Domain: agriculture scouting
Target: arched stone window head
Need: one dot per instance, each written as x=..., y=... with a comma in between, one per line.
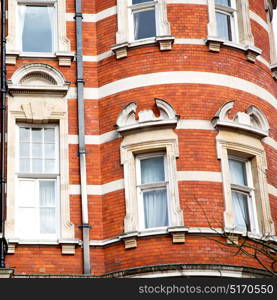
x=252, y=120
x=127, y=120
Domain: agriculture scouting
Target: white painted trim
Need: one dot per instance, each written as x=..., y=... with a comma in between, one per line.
x=271, y=142
x=195, y=2
x=92, y=18
x=272, y=190
x=116, y=185
x=195, y=124
x=259, y=20
x=191, y=273
x=184, y=41
x=177, y=77
x=97, y=58
x=98, y=190
x=199, y=176
x=182, y=125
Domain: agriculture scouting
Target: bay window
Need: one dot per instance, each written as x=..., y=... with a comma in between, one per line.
x=37, y=181
x=152, y=189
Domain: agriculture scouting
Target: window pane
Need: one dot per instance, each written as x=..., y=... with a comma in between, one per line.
x=144, y=24
x=152, y=170
x=223, y=2
x=36, y=135
x=24, y=134
x=141, y=1
x=223, y=22
x=47, y=220
x=49, y=150
x=27, y=222
x=49, y=135
x=50, y=166
x=47, y=193
x=24, y=150
x=37, y=32
x=155, y=208
x=26, y=193
x=238, y=172
x=36, y=165
x=24, y=165
x=241, y=212
x=37, y=150
x=47, y=203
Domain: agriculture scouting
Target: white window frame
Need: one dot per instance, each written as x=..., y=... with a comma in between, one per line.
x=153, y=186
x=232, y=12
x=140, y=8
x=39, y=3
x=37, y=177
x=248, y=190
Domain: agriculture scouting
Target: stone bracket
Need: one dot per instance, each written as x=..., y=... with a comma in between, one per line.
x=178, y=234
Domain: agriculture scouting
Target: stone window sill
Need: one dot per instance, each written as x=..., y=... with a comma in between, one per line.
x=64, y=58
x=251, y=52
x=165, y=43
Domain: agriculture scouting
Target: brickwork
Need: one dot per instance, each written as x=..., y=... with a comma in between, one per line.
x=202, y=202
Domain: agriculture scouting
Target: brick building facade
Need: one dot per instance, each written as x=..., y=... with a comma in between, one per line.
x=141, y=138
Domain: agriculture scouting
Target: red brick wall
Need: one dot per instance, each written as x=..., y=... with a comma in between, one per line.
x=201, y=202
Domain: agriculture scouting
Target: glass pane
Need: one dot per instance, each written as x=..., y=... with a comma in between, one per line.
x=26, y=193
x=155, y=208
x=238, y=172
x=152, y=170
x=36, y=135
x=24, y=134
x=50, y=166
x=47, y=220
x=223, y=22
x=223, y=2
x=24, y=150
x=49, y=135
x=37, y=150
x=37, y=29
x=24, y=165
x=37, y=165
x=144, y=24
x=27, y=222
x=49, y=150
x=47, y=193
x=241, y=212
x=141, y=1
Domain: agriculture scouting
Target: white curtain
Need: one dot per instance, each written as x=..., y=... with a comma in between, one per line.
x=136, y=25
x=47, y=206
x=152, y=170
x=155, y=208
x=238, y=172
x=223, y=2
x=241, y=213
x=22, y=15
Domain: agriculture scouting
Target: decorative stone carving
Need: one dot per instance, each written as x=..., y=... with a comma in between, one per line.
x=38, y=78
x=127, y=121
x=252, y=120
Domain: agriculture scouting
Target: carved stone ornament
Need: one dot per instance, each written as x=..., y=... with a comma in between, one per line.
x=252, y=120
x=38, y=78
x=127, y=121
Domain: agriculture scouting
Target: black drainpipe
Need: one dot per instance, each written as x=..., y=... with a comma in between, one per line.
x=81, y=132
x=3, y=243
